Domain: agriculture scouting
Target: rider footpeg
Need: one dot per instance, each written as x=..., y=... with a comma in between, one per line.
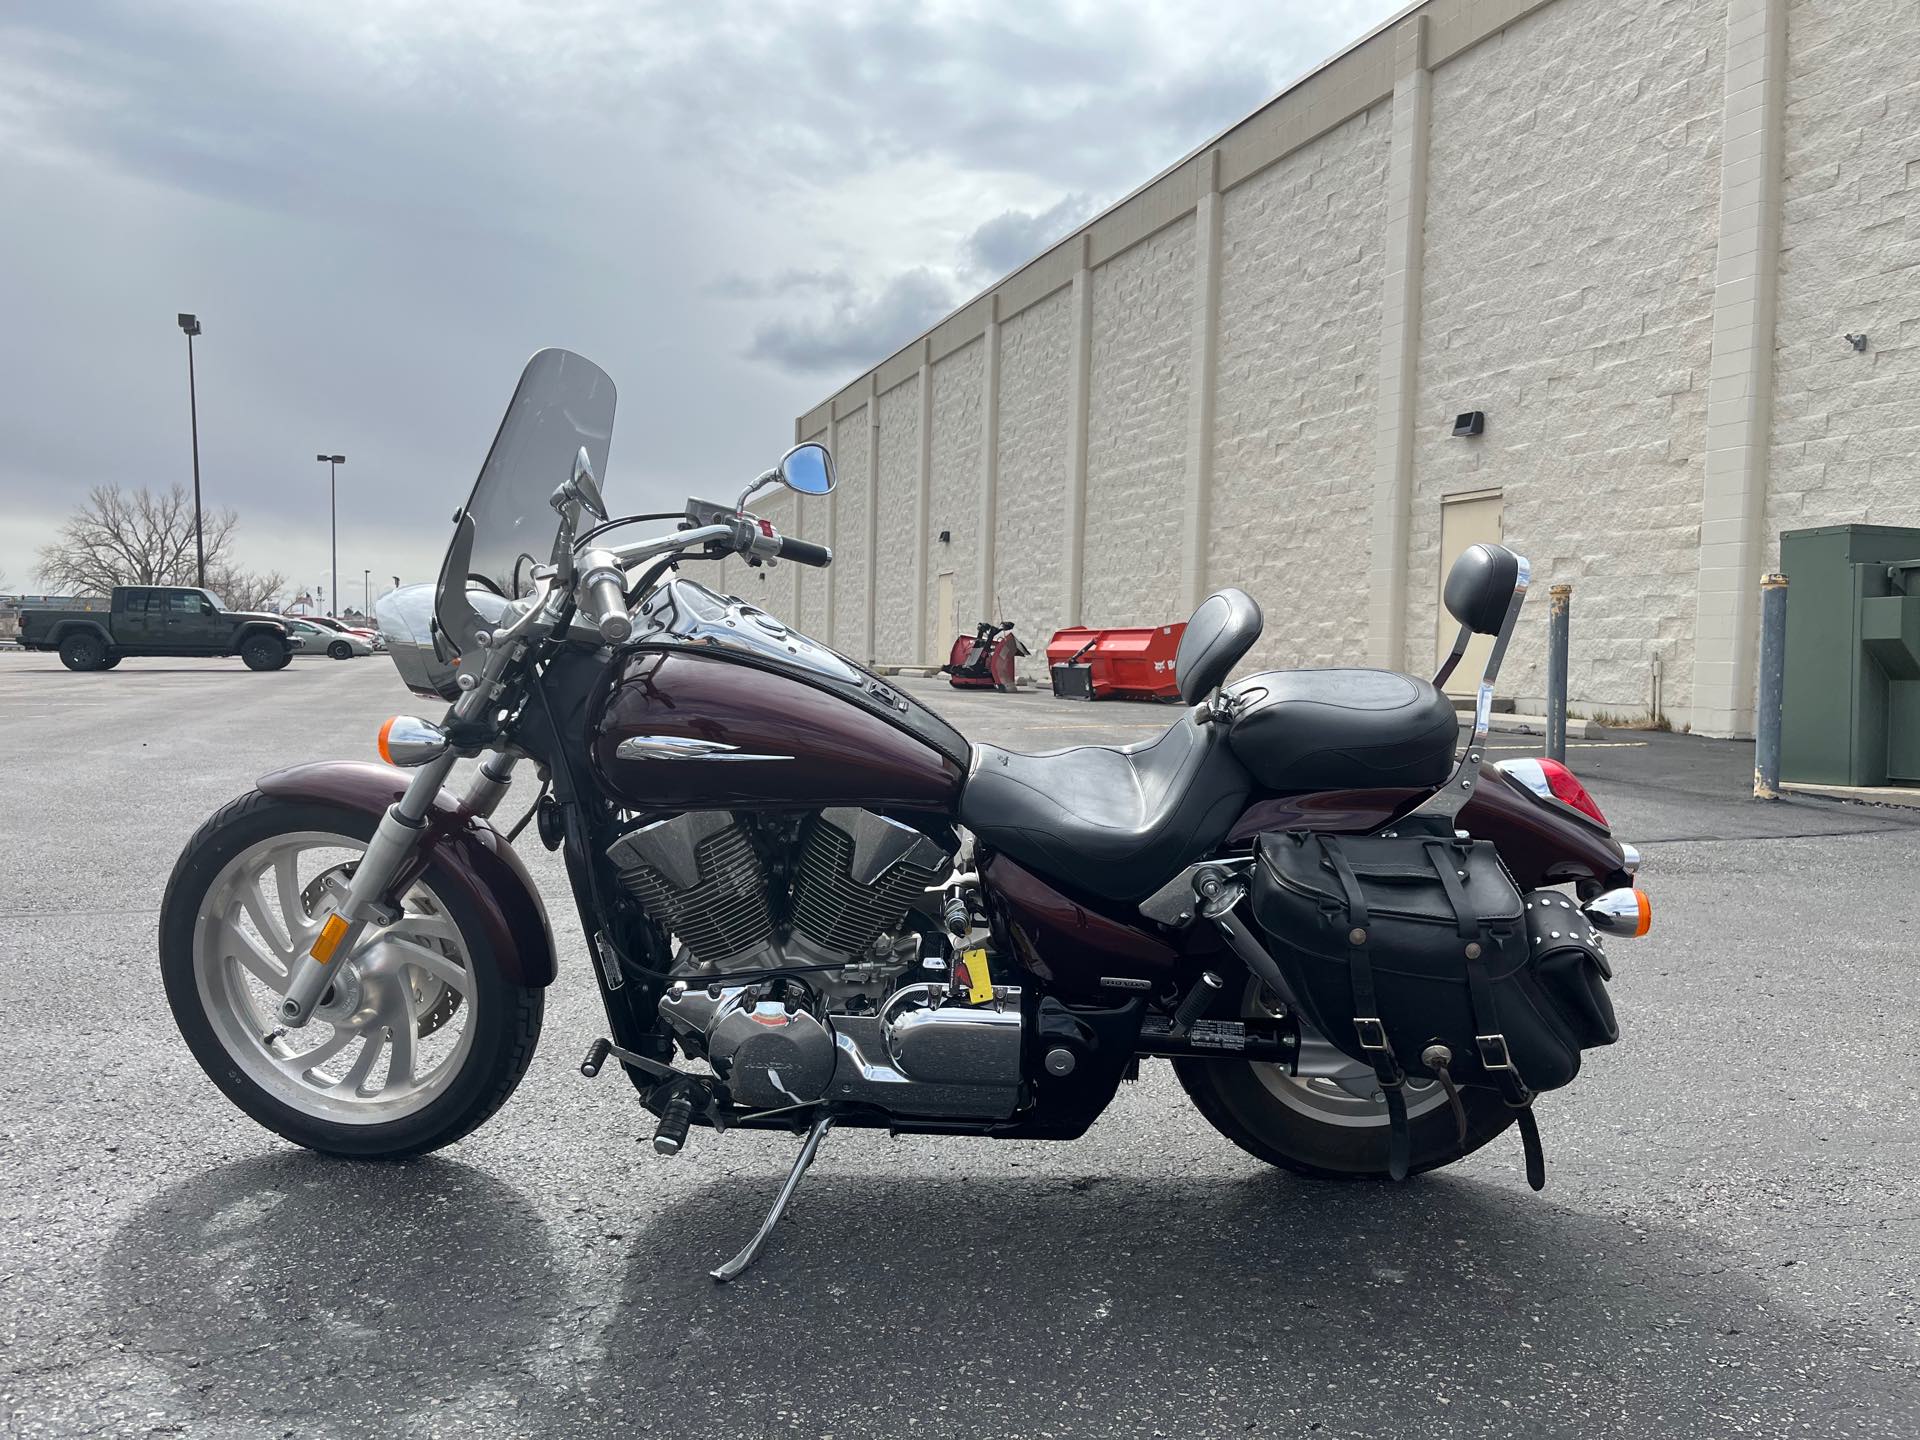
x=675, y=1119
x=596, y=1057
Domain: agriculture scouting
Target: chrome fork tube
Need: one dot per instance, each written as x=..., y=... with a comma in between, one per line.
x=489, y=785
x=394, y=840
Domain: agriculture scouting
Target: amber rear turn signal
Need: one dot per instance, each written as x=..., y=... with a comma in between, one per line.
x=1626, y=913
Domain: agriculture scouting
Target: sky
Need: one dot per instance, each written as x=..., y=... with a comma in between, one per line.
x=380, y=208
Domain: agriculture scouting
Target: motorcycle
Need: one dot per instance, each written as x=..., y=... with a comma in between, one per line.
x=811, y=903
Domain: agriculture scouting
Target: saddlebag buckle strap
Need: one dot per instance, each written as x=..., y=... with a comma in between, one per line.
x=1372, y=1034
x=1497, y=1062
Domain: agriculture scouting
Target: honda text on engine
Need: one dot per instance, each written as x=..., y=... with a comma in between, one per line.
x=810, y=901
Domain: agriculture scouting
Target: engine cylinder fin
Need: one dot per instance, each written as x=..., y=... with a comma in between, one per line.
x=699, y=877
x=857, y=874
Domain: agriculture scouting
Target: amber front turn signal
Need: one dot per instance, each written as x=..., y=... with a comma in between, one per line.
x=407, y=740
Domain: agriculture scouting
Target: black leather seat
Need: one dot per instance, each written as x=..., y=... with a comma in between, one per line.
x=1109, y=821
x=1342, y=729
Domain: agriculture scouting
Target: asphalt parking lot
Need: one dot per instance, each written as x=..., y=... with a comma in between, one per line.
x=1727, y=1246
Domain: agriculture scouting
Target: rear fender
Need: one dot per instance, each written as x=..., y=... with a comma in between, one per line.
x=78, y=627
x=472, y=855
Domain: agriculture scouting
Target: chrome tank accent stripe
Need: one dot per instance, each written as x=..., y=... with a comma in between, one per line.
x=683, y=747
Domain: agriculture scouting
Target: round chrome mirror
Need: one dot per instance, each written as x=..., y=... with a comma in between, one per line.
x=807, y=469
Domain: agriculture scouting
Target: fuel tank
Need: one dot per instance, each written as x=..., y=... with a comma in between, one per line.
x=683, y=728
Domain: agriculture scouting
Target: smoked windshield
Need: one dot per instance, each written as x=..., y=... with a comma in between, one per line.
x=563, y=402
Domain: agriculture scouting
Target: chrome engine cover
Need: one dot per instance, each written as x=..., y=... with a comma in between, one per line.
x=925, y=1052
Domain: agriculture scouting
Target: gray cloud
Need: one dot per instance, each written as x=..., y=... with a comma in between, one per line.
x=856, y=329
x=380, y=210
x=1014, y=237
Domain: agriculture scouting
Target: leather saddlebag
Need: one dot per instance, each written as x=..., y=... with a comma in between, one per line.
x=1417, y=954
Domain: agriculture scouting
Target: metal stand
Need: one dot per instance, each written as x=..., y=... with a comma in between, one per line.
x=808, y=1147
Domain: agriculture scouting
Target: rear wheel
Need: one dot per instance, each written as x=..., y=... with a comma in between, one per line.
x=83, y=651
x=263, y=652
x=419, y=1036
x=340, y=650
x=111, y=661
x=1319, y=1127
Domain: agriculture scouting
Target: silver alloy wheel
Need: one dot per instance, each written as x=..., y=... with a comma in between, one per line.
x=1320, y=1098
x=383, y=1043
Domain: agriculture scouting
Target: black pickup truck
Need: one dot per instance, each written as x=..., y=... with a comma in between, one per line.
x=157, y=620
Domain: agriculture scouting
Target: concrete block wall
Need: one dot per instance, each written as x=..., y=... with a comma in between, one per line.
x=1137, y=431
x=853, y=493
x=1296, y=392
x=1846, y=423
x=953, y=503
x=1571, y=223
x=1034, y=374
x=897, y=460
x=1629, y=231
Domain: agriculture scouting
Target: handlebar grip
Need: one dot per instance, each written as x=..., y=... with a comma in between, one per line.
x=607, y=603
x=804, y=552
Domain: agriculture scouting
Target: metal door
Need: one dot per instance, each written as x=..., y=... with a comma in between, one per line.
x=1469, y=519
x=945, y=619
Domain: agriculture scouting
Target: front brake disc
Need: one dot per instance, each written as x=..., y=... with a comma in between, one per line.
x=434, y=1001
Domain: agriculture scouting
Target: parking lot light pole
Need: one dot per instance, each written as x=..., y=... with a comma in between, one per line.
x=366, y=600
x=333, y=464
x=190, y=324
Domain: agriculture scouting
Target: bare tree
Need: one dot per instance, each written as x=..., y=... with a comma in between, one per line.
x=246, y=590
x=145, y=537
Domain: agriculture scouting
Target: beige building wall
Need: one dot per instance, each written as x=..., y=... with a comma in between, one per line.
x=894, y=580
x=1296, y=392
x=1632, y=232
x=1137, y=431
x=1571, y=223
x=1035, y=364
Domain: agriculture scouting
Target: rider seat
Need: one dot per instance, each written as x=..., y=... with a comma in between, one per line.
x=1118, y=821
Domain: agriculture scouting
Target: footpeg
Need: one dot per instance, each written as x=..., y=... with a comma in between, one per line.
x=808, y=1147
x=596, y=1057
x=675, y=1118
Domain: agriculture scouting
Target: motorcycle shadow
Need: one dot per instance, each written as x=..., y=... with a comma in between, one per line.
x=1191, y=1306
x=291, y=1294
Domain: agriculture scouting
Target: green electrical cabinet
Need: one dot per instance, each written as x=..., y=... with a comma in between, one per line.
x=1851, y=712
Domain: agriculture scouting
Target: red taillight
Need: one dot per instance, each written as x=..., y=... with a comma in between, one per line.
x=1551, y=780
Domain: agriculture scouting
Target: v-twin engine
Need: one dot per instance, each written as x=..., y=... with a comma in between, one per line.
x=869, y=1018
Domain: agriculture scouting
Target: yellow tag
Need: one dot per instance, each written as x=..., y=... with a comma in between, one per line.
x=331, y=934
x=979, y=977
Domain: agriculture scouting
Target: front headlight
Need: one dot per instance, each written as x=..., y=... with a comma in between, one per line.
x=405, y=617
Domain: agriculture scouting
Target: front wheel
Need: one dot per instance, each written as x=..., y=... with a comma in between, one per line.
x=1321, y=1128
x=416, y=1041
x=263, y=652
x=340, y=650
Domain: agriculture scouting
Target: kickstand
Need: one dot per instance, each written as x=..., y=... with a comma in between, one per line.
x=808, y=1148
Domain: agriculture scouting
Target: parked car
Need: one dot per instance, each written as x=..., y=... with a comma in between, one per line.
x=157, y=620
x=328, y=622
x=311, y=638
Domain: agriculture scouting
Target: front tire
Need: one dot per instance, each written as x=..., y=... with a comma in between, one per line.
x=111, y=661
x=83, y=652
x=340, y=650
x=263, y=652
x=419, y=1038
x=1316, y=1127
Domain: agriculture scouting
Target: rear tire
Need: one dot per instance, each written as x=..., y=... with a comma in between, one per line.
x=263, y=652
x=340, y=650
x=264, y=1073
x=111, y=661
x=1315, y=1127
x=82, y=652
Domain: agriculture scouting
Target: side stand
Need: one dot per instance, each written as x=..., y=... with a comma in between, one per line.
x=808, y=1148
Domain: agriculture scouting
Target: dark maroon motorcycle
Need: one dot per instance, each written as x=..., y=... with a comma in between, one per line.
x=809, y=901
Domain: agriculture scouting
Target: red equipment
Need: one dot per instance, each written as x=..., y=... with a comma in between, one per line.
x=984, y=659
x=1130, y=662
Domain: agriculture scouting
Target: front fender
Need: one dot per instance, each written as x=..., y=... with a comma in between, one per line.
x=472, y=855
